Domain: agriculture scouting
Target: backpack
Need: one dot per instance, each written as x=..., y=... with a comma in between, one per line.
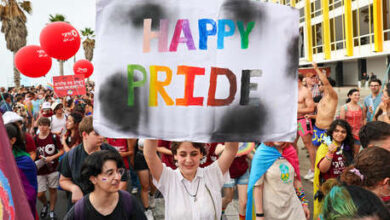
x=126, y=202
x=53, y=137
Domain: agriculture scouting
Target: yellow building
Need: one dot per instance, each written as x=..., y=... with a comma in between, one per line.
x=350, y=36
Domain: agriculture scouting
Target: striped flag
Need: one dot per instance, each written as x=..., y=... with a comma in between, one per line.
x=13, y=201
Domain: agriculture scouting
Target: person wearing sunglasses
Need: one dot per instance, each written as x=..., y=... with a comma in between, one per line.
x=101, y=175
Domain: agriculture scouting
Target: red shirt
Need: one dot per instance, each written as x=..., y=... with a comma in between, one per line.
x=238, y=167
x=211, y=156
x=166, y=158
x=30, y=144
x=336, y=168
x=48, y=147
x=121, y=146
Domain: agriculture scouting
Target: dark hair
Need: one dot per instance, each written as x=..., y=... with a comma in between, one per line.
x=176, y=145
x=300, y=77
x=350, y=92
x=380, y=111
x=44, y=121
x=58, y=106
x=348, y=142
x=372, y=163
x=80, y=108
x=93, y=166
x=6, y=96
x=76, y=138
x=352, y=202
x=14, y=131
x=375, y=80
x=373, y=131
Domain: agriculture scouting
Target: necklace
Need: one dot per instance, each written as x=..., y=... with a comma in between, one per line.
x=196, y=193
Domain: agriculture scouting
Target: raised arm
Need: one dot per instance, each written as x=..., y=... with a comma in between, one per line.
x=154, y=163
x=328, y=87
x=227, y=157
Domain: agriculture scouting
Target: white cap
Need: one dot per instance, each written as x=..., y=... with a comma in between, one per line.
x=45, y=105
x=11, y=117
x=54, y=105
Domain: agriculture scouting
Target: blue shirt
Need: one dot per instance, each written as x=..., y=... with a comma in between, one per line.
x=368, y=101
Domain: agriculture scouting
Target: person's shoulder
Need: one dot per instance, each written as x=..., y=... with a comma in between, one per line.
x=70, y=214
x=106, y=146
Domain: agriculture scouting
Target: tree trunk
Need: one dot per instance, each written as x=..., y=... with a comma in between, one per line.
x=61, y=62
x=16, y=74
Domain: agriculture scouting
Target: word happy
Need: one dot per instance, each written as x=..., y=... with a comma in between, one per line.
x=207, y=27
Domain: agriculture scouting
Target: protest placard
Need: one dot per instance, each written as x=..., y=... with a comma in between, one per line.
x=196, y=70
x=70, y=85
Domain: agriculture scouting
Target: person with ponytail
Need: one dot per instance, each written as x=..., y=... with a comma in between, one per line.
x=353, y=113
x=371, y=170
x=333, y=155
x=344, y=202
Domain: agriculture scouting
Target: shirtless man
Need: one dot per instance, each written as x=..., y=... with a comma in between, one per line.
x=326, y=108
x=305, y=107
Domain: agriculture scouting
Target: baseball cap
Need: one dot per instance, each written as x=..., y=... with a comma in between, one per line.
x=45, y=105
x=11, y=117
x=54, y=105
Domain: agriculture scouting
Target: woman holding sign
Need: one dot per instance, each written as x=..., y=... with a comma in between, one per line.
x=190, y=191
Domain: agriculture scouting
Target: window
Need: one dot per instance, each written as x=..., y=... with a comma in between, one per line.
x=337, y=33
x=366, y=25
x=386, y=19
x=317, y=38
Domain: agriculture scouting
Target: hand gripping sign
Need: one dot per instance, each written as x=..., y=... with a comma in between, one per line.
x=196, y=70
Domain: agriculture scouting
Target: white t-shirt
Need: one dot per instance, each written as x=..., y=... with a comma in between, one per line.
x=58, y=124
x=180, y=205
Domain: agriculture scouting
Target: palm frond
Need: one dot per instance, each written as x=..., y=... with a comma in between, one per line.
x=26, y=6
x=57, y=17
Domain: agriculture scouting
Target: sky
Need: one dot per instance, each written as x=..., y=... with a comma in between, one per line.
x=80, y=14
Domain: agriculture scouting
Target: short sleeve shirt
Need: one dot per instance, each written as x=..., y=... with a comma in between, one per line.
x=367, y=102
x=73, y=171
x=118, y=213
x=48, y=147
x=336, y=168
x=176, y=191
x=121, y=146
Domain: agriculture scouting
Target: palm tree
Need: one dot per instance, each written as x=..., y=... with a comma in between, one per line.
x=55, y=18
x=89, y=43
x=14, y=27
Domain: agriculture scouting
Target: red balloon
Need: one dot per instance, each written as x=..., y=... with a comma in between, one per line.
x=60, y=40
x=83, y=67
x=32, y=61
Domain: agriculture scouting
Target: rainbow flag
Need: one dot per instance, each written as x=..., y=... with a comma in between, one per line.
x=245, y=148
x=49, y=86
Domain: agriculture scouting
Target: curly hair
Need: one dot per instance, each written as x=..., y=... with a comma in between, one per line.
x=373, y=166
x=348, y=141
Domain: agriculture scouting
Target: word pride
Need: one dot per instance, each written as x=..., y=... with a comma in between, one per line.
x=207, y=27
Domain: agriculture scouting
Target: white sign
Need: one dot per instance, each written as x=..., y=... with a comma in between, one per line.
x=196, y=70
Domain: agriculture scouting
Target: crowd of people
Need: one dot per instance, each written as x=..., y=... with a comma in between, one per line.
x=57, y=148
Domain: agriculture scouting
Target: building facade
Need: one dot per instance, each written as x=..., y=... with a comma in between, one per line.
x=349, y=36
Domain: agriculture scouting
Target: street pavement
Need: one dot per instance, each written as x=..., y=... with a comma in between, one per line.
x=232, y=210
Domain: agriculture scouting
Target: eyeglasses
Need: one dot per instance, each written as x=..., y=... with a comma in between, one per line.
x=374, y=85
x=111, y=173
